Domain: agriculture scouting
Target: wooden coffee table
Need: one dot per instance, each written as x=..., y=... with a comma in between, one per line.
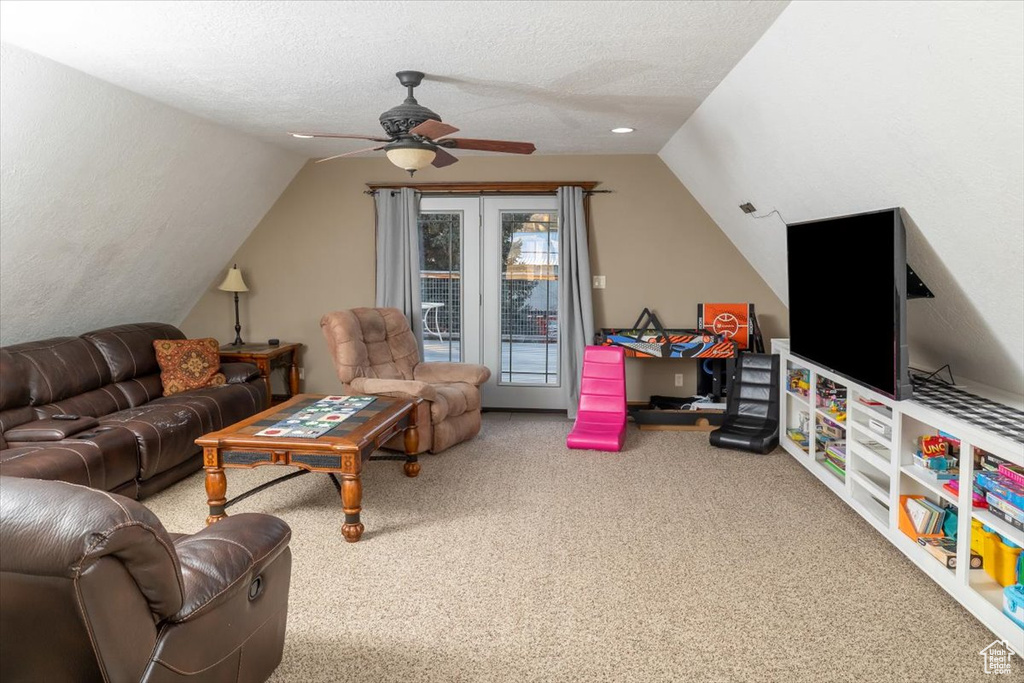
x=341, y=451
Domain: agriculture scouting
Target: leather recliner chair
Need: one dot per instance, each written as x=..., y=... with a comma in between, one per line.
x=92, y=588
x=375, y=352
x=752, y=407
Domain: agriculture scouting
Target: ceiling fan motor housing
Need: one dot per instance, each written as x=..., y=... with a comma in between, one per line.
x=406, y=116
x=399, y=120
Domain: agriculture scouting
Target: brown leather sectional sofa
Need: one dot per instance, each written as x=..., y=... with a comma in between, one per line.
x=129, y=438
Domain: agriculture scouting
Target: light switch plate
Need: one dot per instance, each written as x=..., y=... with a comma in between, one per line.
x=599, y=282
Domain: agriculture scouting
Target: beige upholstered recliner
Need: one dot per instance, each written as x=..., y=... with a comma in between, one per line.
x=375, y=352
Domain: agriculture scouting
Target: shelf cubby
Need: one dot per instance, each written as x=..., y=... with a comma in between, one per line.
x=798, y=412
x=1003, y=527
x=866, y=498
x=798, y=381
x=862, y=453
x=923, y=486
x=986, y=588
x=863, y=435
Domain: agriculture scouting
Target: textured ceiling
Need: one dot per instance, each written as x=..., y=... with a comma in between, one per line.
x=559, y=74
x=849, y=107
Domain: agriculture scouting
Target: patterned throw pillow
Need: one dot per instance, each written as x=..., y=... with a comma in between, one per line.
x=187, y=364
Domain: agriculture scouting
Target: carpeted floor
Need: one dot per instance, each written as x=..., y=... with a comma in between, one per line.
x=511, y=558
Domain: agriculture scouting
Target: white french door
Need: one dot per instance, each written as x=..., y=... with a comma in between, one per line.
x=489, y=285
x=449, y=278
x=520, y=302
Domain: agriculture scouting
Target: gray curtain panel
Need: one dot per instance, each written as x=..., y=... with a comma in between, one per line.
x=574, y=297
x=398, y=255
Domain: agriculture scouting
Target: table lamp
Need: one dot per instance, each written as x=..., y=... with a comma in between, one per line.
x=233, y=282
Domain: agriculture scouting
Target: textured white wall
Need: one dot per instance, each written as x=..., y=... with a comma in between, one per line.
x=851, y=106
x=114, y=208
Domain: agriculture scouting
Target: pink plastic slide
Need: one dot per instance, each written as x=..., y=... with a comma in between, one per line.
x=601, y=419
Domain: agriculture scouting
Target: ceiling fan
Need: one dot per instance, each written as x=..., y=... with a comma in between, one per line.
x=416, y=136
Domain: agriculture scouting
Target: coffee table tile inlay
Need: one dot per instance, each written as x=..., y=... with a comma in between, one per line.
x=340, y=452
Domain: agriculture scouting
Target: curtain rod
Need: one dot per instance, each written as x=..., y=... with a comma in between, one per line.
x=481, y=192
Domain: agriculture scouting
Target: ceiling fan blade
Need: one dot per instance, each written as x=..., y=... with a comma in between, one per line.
x=338, y=135
x=492, y=145
x=348, y=154
x=433, y=129
x=443, y=158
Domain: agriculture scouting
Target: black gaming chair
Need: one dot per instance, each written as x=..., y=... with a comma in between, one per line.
x=752, y=407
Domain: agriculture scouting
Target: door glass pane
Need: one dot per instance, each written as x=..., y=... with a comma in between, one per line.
x=529, y=298
x=441, y=285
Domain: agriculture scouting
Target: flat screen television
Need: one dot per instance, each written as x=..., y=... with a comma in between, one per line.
x=848, y=298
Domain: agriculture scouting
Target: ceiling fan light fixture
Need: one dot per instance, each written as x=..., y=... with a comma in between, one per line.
x=410, y=155
x=623, y=129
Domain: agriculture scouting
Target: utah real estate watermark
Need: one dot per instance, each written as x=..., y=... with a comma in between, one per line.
x=997, y=657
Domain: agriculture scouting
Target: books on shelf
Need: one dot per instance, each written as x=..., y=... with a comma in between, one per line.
x=925, y=515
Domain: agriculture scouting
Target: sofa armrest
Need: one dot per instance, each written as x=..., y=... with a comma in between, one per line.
x=239, y=373
x=372, y=385
x=224, y=558
x=441, y=372
x=49, y=430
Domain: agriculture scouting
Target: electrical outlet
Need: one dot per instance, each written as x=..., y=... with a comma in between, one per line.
x=679, y=379
x=599, y=282
x=747, y=208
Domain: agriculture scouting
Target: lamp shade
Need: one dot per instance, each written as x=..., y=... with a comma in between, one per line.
x=410, y=156
x=233, y=281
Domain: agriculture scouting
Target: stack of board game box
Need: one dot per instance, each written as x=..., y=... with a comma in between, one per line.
x=1003, y=485
x=835, y=457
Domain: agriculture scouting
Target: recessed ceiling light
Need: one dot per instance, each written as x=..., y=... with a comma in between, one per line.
x=623, y=129
x=300, y=135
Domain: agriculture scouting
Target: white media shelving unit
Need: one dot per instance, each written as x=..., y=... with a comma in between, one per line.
x=879, y=469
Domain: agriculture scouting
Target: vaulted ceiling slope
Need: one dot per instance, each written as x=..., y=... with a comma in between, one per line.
x=848, y=107
x=115, y=208
x=559, y=74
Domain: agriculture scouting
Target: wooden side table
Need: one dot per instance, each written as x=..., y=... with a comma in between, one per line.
x=266, y=358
